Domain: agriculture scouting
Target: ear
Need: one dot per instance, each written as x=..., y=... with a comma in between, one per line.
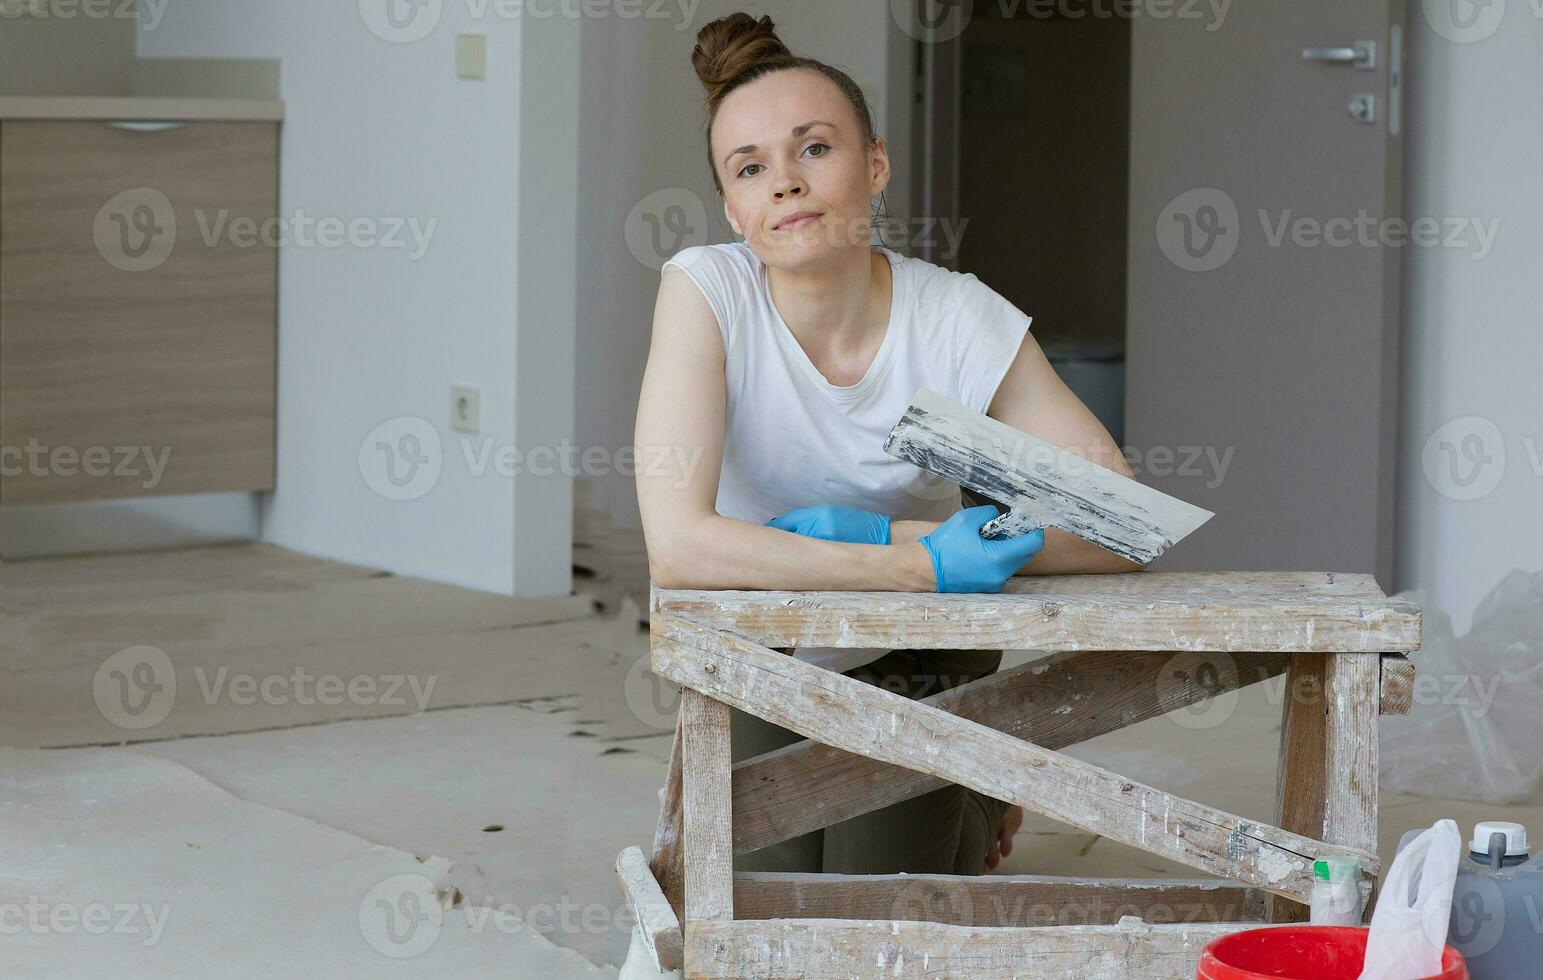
x=879, y=154
x=732, y=223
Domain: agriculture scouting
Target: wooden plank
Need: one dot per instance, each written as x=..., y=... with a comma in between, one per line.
x=669, y=835
x=1224, y=612
x=835, y=948
x=657, y=922
x=861, y=718
x=1352, y=748
x=1299, y=774
x=706, y=833
x=1396, y=696
x=809, y=785
x=1039, y=484
x=1328, y=753
x=993, y=900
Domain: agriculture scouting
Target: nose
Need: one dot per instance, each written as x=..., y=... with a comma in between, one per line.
x=787, y=187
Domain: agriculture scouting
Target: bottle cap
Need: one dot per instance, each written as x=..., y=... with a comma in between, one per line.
x=1336, y=869
x=1515, y=837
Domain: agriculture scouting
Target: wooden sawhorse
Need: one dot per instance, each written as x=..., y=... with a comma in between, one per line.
x=1126, y=648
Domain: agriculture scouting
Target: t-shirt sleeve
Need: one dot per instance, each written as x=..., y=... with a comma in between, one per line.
x=710, y=271
x=988, y=332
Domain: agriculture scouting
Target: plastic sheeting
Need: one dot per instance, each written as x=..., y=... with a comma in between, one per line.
x=1475, y=730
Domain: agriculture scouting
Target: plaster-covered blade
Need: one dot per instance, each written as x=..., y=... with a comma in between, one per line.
x=1039, y=484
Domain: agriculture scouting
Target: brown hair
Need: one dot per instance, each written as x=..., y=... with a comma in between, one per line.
x=737, y=49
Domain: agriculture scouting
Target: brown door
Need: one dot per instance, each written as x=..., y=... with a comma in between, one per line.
x=1263, y=279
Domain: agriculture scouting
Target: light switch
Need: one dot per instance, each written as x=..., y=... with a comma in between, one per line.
x=471, y=56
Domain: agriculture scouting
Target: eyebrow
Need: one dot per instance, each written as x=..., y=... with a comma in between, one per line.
x=797, y=132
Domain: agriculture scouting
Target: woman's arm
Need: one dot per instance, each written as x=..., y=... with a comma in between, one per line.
x=1034, y=399
x=679, y=442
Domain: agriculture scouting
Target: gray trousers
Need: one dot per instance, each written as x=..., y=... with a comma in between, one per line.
x=946, y=831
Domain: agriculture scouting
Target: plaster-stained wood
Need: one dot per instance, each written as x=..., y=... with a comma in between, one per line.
x=861, y=718
x=1226, y=612
x=1056, y=702
x=832, y=948
x=993, y=900
x=657, y=921
x=708, y=843
x=1042, y=485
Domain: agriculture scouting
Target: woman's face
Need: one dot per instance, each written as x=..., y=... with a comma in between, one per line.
x=824, y=168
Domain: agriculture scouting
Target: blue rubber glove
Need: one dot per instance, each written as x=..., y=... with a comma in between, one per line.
x=835, y=524
x=963, y=561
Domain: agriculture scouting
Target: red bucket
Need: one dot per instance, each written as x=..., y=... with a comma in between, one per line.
x=1300, y=953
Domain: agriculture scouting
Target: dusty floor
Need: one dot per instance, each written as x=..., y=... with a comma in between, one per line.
x=283, y=807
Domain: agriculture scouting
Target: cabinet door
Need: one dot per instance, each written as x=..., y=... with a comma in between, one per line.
x=137, y=309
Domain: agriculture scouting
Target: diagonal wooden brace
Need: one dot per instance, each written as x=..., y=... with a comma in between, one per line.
x=810, y=785
x=863, y=719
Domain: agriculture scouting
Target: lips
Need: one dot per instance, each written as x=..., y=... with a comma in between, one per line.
x=796, y=220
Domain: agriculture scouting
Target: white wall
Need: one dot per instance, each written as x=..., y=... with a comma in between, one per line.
x=641, y=132
x=1473, y=329
x=370, y=337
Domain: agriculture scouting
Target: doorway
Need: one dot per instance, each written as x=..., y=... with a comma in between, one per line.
x=1023, y=155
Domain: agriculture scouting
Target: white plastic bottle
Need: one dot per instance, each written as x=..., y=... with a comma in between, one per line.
x=1336, y=896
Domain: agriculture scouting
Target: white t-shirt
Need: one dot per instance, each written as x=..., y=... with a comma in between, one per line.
x=792, y=439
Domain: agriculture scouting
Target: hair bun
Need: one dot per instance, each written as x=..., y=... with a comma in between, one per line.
x=732, y=45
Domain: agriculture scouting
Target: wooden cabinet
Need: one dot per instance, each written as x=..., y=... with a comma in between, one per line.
x=138, y=310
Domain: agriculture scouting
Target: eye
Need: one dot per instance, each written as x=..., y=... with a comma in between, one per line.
x=747, y=167
x=813, y=145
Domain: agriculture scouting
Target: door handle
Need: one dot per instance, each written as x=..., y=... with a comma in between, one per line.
x=146, y=127
x=1361, y=54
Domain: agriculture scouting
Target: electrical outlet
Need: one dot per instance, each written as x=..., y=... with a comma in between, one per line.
x=466, y=408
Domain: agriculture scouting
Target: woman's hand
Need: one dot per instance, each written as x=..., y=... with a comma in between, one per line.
x=963, y=561
x=1012, y=819
x=832, y=523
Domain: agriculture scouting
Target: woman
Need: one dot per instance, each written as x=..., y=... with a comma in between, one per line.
x=780, y=363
